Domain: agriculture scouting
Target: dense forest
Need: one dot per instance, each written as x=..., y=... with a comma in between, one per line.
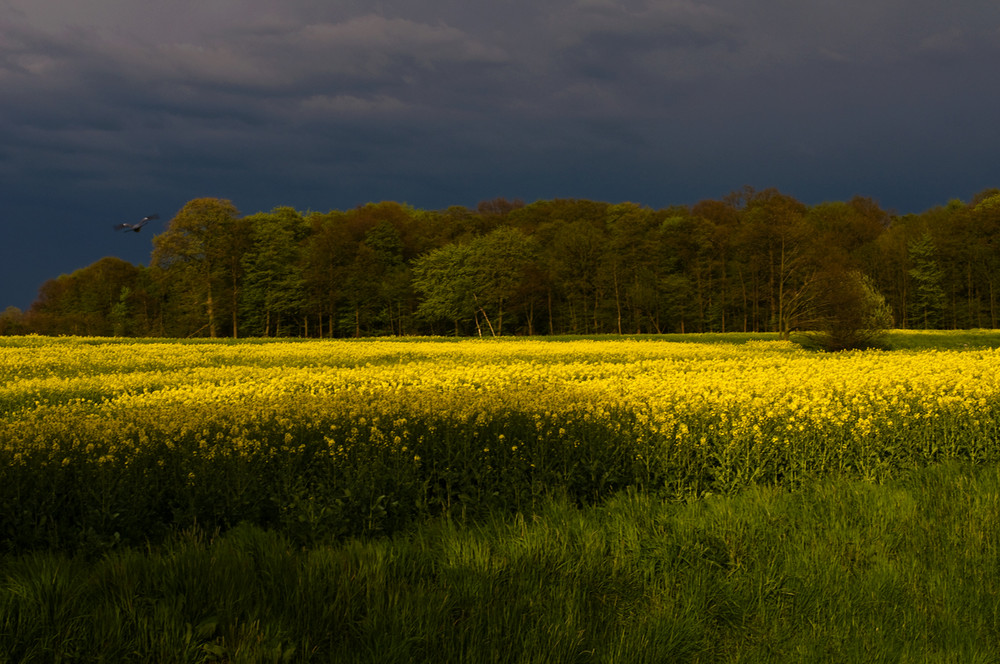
x=751, y=261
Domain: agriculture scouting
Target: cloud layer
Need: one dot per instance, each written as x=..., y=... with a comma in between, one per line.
x=112, y=106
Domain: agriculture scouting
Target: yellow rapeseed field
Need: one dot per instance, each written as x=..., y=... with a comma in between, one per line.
x=446, y=418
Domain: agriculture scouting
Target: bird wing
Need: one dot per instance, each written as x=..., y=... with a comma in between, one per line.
x=137, y=226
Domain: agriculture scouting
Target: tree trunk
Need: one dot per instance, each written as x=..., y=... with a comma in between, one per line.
x=235, y=316
x=551, y=322
x=993, y=307
x=485, y=317
x=211, y=315
x=618, y=304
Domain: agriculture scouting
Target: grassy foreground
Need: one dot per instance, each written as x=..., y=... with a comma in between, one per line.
x=840, y=570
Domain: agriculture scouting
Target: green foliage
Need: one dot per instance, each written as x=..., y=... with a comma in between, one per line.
x=444, y=279
x=12, y=322
x=749, y=262
x=120, y=313
x=927, y=303
x=474, y=281
x=273, y=287
x=90, y=301
x=853, y=315
x=838, y=570
x=199, y=261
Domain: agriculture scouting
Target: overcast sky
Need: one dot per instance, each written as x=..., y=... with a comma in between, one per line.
x=114, y=109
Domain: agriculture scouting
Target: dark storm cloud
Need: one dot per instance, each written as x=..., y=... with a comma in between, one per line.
x=114, y=107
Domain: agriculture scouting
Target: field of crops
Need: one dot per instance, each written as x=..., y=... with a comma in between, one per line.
x=107, y=441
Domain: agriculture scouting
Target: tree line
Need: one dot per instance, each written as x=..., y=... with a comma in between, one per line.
x=753, y=261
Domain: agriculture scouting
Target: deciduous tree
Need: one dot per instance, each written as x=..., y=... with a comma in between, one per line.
x=200, y=255
x=274, y=287
x=926, y=296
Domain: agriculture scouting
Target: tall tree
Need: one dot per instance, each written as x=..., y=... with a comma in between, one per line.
x=380, y=278
x=273, y=284
x=576, y=258
x=984, y=253
x=477, y=280
x=12, y=321
x=326, y=251
x=780, y=234
x=691, y=257
x=632, y=262
x=200, y=255
x=927, y=296
x=498, y=264
x=443, y=277
x=83, y=302
x=731, y=301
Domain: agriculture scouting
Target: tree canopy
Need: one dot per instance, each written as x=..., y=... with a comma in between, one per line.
x=752, y=261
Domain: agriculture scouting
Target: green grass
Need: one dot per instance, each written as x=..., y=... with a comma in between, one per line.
x=840, y=571
x=690, y=337
x=895, y=339
x=943, y=339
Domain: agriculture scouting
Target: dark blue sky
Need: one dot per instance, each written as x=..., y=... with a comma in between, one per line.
x=113, y=109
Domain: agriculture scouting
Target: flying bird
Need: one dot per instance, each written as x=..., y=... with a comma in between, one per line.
x=136, y=227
